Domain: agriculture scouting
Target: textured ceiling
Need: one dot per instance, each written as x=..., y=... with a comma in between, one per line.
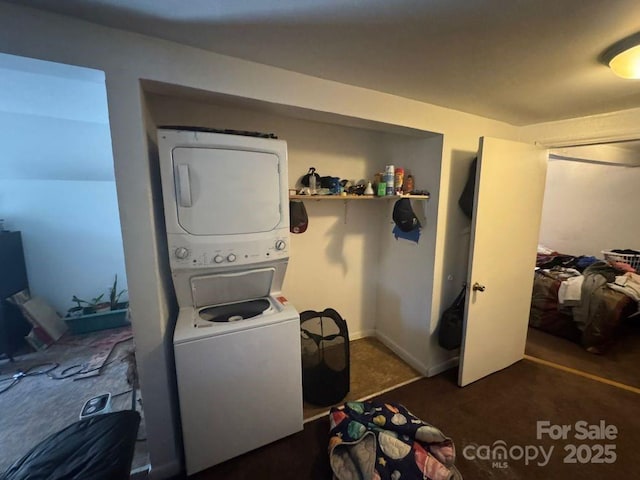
x=520, y=61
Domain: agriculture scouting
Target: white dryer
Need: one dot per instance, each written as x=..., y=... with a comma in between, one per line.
x=236, y=340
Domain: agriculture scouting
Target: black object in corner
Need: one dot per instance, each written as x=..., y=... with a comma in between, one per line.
x=450, y=329
x=468, y=193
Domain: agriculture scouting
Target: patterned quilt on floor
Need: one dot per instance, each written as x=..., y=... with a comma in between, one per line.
x=380, y=441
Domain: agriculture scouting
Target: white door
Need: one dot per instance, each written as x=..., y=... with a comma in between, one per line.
x=510, y=182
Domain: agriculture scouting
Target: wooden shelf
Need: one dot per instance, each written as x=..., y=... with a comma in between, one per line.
x=356, y=197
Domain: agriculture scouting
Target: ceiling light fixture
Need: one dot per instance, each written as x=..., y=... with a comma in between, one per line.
x=623, y=57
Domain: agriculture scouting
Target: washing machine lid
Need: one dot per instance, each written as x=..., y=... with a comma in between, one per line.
x=222, y=288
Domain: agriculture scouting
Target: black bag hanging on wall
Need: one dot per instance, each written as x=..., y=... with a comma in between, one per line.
x=298, y=218
x=325, y=357
x=450, y=330
x=468, y=193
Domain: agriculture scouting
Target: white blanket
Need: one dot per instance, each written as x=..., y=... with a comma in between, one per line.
x=570, y=291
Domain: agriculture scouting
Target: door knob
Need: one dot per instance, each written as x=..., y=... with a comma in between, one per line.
x=477, y=287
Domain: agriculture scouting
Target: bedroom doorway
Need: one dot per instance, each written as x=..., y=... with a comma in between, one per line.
x=62, y=253
x=588, y=211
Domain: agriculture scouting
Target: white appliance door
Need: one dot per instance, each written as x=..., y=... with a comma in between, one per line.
x=510, y=182
x=226, y=192
x=238, y=391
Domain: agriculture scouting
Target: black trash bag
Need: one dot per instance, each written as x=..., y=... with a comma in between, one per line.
x=450, y=330
x=468, y=193
x=97, y=448
x=324, y=339
x=298, y=218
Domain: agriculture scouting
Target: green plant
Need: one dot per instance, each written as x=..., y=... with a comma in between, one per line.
x=114, y=295
x=94, y=301
x=79, y=301
x=98, y=303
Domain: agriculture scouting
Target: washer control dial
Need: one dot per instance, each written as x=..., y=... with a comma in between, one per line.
x=231, y=257
x=218, y=259
x=281, y=245
x=181, y=253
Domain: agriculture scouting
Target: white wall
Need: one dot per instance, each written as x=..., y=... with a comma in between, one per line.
x=54, y=121
x=403, y=299
x=126, y=58
x=57, y=183
x=70, y=234
x=590, y=207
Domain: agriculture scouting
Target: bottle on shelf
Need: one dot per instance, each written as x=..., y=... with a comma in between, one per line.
x=389, y=178
x=313, y=185
x=369, y=189
x=398, y=180
x=408, y=185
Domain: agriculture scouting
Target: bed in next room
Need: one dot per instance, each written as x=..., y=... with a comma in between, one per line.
x=585, y=299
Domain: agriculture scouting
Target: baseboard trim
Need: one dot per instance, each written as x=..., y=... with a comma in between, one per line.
x=361, y=334
x=443, y=366
x=401, y=352
x=580, y=373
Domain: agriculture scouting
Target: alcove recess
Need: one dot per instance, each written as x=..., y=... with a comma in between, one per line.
x=350, y=262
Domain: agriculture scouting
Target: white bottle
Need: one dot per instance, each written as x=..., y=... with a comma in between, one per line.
x=369, y=189
x=313, y=188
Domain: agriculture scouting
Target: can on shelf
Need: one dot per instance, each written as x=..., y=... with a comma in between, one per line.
x=389, y=178
x=399, y=179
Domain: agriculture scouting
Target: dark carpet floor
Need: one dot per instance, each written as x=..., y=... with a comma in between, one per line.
x=620, y=363
x=505, y=406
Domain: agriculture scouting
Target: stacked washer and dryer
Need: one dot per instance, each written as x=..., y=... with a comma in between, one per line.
x=236, y=340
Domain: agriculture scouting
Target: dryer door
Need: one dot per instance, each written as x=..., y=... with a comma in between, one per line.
x=226, y=192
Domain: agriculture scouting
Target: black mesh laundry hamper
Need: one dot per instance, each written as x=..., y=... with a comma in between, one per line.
x=325, y=357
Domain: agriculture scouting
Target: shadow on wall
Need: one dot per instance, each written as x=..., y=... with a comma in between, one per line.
x=335, y=247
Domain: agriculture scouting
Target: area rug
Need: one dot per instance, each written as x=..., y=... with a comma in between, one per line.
x=39, y=405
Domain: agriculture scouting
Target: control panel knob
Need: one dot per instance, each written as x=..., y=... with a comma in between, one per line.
x=181, y=253
x=280, y=245
x=231, y=257
x=218, y=259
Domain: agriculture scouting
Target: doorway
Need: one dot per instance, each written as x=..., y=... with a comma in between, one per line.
x=64, y=316
x=587, y=214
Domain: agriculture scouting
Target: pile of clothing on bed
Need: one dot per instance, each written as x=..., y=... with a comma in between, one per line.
x=583, y=299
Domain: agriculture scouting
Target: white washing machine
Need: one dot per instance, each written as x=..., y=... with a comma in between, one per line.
x=236, y=340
